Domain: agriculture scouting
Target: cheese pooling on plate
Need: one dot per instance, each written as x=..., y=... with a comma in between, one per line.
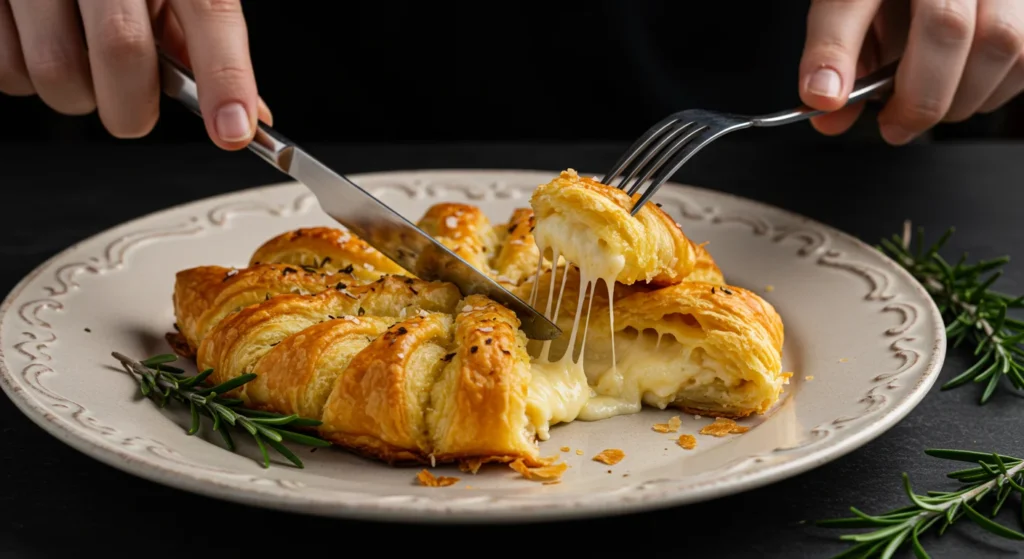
x=407, y=370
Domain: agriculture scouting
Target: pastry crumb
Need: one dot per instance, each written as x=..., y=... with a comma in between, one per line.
x=467, y=486
x=564, y=449
x=809, y=377
x=687, y=441
x=722, y=427
x=843, y=360
x=610, y=456
x=579, y=452
x=429, y=480
x=548, y=472
x=671, y=427
x=769, y=288
x=551, y=482
x=471, y=466
x=785, y=377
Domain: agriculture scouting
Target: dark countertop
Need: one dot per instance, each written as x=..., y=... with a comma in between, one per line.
x=54, y=498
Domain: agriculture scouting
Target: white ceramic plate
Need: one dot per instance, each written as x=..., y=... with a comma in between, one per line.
x=864, y=340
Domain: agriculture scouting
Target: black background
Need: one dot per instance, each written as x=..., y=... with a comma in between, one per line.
x=602, y=70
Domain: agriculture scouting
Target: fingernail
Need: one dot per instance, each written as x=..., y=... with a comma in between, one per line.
x=232, y=123
x=895, y=134
x=825, y=82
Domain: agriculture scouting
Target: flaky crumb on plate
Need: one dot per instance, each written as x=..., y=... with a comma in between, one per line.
x=689, y=442
x=610, y=456
x=671, y=427
x=549, y=472
x=722, y=427
x=428, y=479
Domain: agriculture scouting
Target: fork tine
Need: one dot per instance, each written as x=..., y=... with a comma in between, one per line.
x=703, y=138
x=638, y=146
x=666, y=155
x=651, y=153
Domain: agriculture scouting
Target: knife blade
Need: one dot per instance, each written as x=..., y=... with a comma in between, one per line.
x=364, y=215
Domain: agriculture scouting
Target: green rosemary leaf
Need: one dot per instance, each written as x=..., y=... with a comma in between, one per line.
x=266, y=432
x=283, y=451
x=992, y=526
x=895, y=543
x=921, y=503
x=229, y=402
x=915, y=541
x=990, y=388
x=1005, y=472
x=283, y=420
x=969, y=456
x=969, y=373
x=229, y=385
x=306, y=422
x=263, y=450
x=159, y=359
x=880, y=534
x=195, y=418
x=861, y=550
x=303, y=438
x=197, y=379
x=1005, y=491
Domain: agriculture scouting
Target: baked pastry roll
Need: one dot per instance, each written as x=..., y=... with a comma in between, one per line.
x=204, y=295
x=506, y=252
x=235, y=344
x=589, y=224
x=705, y=268
x=329, y=250
x=705, y=348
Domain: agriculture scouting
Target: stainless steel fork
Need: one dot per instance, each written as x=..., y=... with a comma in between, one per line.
x=670, y=143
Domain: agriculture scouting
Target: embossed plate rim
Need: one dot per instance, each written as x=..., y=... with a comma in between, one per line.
x=476, y=509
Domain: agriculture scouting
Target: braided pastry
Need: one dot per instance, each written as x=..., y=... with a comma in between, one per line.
x=412, y=371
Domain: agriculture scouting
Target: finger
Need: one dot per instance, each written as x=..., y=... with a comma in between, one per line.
x=998, y=42
x=171, y=38
x=835, y=34
x=928, y=75
x=51, y=40
x=1011, y=87
x=14, y=78
x=838, y=122
x=122, y=55
x=218, y=46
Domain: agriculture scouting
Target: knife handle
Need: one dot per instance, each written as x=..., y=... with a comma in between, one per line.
x=178, y=83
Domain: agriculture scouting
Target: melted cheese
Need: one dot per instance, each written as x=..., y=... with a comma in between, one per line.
x=559, y=389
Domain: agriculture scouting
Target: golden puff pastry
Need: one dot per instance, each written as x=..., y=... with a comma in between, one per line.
x=705, y=268
x=447, y=385
x=506, y=252
x=204, y=295
x=705, y=348
x=235, y=344
x=327, y=249
x=590, y=225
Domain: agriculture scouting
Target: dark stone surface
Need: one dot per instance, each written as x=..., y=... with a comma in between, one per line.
x=53, y=498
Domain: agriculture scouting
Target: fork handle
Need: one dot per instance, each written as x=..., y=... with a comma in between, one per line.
x=878, y=83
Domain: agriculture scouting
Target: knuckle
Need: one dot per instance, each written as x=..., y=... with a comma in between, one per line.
x=121, y=37
x=218, y=7
x=950, y=24
x=49, y=65
x=229, y=74
x=923, y=113
x=1001, y=36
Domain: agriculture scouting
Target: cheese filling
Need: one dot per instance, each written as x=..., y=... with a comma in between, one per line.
x=559, y=389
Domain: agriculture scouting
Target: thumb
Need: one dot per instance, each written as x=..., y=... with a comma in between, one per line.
x=835, y=35
x=217, y=42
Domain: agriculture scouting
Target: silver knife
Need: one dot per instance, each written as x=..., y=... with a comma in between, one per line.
x=365, y=216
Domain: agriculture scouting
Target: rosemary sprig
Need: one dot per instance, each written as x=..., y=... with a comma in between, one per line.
x=971, y=309
x=990, y=483
x=162, y=383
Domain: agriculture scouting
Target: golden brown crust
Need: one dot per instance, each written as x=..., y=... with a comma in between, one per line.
x=478, y=406
x=705, y=268
x=465, y=230
x=379, y=404
x=518, y=255
x=577, y=214
x=327, y=249
x=235, y=345
x=204, y=295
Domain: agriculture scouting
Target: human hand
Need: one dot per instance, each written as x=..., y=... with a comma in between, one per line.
x=102, y=55
x=959, y=57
